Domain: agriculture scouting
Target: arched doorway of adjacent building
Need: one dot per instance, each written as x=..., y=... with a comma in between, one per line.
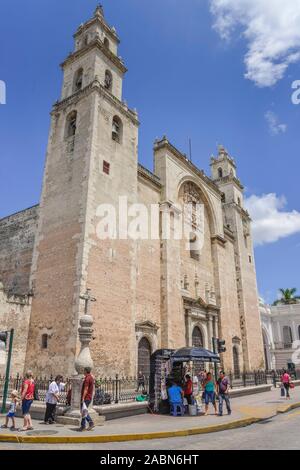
x=266, y=349
x=197, y=338
x=144, y=353
x=236, y=362
x=197, y=342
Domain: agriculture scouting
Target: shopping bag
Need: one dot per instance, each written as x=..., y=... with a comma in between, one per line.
x=84, y=410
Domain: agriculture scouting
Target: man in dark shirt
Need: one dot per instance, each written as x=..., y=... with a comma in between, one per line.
x=223, y=392
x=87, y=393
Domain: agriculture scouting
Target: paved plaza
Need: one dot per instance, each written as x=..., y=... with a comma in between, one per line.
x=246, y=411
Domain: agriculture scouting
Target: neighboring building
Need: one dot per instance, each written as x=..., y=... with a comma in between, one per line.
x=280, y=328
x=152, y=293
x=14, y=314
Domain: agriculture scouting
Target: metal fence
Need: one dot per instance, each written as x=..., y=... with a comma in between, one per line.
x=108, y=390
x=259, y=377
x=117, y=389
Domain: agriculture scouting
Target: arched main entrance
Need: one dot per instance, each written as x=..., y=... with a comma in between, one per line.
x=144, y=353
x=197, y=338
x=236, y=362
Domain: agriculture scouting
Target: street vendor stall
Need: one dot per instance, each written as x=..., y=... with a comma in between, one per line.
x=169, y=365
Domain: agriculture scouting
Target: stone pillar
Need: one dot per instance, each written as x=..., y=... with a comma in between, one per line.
x=188, y=328
x=84, y=359
x=210, y=331
x=216, y=327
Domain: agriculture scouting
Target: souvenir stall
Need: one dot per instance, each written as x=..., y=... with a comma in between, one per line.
x=167, y=365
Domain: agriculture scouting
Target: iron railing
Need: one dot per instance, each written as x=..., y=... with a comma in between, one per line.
x=108, y=390
x=117, y=389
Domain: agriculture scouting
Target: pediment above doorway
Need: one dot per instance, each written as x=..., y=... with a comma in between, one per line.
x=146, y=325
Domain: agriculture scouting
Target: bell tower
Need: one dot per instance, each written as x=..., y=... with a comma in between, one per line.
x=237, y=219
x=91, y=160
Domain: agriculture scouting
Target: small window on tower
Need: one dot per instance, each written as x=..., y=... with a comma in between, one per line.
x=250, y=259
x=106, y=43
x=106, y=167
x=86, y=40
x=108, y=80
x=220, y=173
x=78, y=80
x=71, y=124
x=117, y=129
x=44, y=341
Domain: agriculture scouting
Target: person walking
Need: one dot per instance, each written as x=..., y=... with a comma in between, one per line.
x=140, y=381
x=223, y=393
x=27, y=396
x=11, y=411
x=87, y=393
x=209, y=393
x=52, y=397
x=286, y=382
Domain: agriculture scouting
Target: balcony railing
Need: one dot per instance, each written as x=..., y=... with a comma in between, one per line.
x=283, y=345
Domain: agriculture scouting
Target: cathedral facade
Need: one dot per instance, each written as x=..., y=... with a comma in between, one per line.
x=154, y=291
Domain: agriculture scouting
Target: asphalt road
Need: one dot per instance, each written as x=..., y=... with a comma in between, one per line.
x=280, y=433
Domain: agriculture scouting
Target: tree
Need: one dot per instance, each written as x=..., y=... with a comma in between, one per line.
x=288, y=297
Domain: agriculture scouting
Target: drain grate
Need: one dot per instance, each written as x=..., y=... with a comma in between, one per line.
x=41, y=433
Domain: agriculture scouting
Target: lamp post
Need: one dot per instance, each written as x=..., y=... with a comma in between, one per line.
x=7, y=373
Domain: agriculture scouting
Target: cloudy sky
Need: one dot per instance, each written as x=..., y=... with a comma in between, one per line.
x=217, y=71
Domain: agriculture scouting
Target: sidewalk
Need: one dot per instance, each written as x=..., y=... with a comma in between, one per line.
x=246, y=411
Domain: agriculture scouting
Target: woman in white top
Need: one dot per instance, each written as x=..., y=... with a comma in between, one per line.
x=52, y=397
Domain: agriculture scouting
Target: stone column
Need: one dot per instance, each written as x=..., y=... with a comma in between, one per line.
x=188, y=328
x=84, y=359
x=210, y=331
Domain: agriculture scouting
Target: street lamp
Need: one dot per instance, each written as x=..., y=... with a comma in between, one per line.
x=4, y=335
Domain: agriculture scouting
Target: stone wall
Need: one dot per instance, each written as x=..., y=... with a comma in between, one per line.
x=14, y=313
x=17, y=234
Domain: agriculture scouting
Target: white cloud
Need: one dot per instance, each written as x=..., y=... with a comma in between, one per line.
x=275, y=126
x=271, y=29
x=270, y=221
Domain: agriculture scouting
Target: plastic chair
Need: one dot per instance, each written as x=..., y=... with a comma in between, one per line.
x=174, y=409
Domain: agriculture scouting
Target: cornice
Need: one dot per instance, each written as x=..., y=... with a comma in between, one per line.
x=102, y=22
x=95, y=44
x=230, y=179
x=149, y=176
x=96, y=86
x=164, y=143
x=199, y=303
x=218, y=240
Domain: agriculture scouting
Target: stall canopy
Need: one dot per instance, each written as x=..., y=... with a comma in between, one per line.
x=194, y=354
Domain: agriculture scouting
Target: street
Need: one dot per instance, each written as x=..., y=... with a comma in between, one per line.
x=279, y=433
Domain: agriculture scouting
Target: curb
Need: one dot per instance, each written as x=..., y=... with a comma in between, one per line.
x=21, y=439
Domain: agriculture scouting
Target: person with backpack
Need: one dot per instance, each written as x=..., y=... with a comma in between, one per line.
x=223, y=393
x=27, y=397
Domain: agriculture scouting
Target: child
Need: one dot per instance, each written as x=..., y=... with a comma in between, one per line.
x=12, y=411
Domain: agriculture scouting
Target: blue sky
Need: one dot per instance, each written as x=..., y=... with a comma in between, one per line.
x=187, y=79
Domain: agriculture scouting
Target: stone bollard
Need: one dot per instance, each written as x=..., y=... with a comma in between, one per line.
x=84, y=359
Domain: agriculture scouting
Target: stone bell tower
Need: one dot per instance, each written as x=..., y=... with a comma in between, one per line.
x=237, y=219
x=91, y=160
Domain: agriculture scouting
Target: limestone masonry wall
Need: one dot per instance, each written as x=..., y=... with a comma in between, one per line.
x=17, y=234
